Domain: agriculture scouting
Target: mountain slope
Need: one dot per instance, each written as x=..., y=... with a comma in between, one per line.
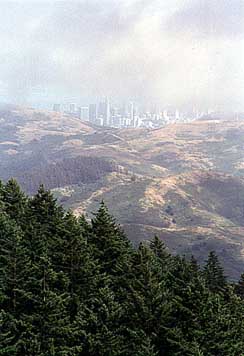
x=192, y=212
x=183, y=182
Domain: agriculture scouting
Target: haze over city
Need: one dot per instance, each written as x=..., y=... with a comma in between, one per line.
x=179, y=53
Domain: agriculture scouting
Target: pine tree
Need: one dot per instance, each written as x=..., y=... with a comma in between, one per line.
x=13, y=261
x=14, y=201
x=43, y=208
x=48, y=320
x=159, y=249
x=13, y=274
x=149, y=302
x=163, y=259
x=1, y=191
x=7, y=334
x=73, y=256
x=85, y=226
x=189, y=296
x=221, y=325
x=239, y=287
x=194, y=265
x=46, y=317
x=110, y=245
x=213, y=274
x=140, y=345
x=99, y=323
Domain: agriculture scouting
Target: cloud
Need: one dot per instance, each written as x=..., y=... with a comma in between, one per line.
x=209, y=18
x=174, y=52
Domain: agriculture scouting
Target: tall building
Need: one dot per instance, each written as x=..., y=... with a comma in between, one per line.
x=107, y=112
x=104, y=112
x=101, y=112
x=132, y=114
x=84, y=113
x=124, y=109
x=93, y=112
x=57, y=107
x=72, y=108
x=177, y=114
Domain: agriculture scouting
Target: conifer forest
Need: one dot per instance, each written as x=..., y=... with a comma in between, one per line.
x=73, y=287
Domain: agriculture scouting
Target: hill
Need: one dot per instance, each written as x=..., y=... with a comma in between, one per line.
x=182, y=182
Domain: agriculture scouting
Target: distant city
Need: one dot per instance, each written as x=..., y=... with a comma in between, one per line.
x=128, y=115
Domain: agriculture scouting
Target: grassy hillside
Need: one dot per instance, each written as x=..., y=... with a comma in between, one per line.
x=182, y=182
x=193, y=212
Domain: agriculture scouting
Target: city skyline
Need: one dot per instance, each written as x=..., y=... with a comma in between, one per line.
x=129, y=114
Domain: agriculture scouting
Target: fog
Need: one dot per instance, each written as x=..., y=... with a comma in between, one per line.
x=166, y=52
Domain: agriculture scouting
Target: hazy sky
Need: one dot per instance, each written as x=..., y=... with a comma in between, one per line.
x=172, y=52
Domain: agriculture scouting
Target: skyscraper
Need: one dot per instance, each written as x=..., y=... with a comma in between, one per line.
x=72, y=108
x=104, y=111
x=132, y=114
x=57, y=107
x=93, y=112
x=107, y=118
x=84, y=113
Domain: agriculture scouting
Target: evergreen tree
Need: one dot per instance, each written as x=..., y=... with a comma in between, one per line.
x=162, y=259
x=46, y=318
x=110, y=245
x=239, y=287
x=188, y=293
x=44, y=210
x=221, y=324
x=7, y=334
x=159, y=249
x=85, y=226
x=140, y=345
x=14, y=201
x=194, y=265
x=214, y=274
x=99, y=323
x=13, y=261
x=13, y=274
x=73, y=256
x=149, y=302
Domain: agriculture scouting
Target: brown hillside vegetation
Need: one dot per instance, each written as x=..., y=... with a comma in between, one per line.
x=182, y=182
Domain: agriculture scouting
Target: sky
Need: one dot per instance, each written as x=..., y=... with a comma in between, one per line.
x=165, y=52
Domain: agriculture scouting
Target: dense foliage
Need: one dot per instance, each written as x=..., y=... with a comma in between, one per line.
x=69, y=287
x=69, y=171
